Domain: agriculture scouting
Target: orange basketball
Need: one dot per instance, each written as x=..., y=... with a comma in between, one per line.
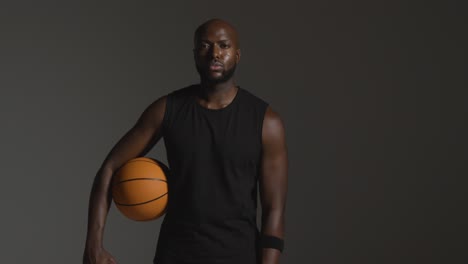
x=139, y=189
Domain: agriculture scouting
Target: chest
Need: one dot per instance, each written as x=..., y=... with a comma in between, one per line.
x=230, y=137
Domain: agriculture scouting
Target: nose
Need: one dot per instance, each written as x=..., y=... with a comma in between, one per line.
x=215, y=51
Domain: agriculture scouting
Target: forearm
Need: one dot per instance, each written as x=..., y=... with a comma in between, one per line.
x=270, y=256
x=272, y=225
x=99, y=204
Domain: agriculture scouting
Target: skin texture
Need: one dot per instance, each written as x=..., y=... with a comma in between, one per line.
x=215, y=43
x=273, y=181
x=136, y=142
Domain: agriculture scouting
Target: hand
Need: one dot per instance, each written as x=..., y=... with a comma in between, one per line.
x=98, y=256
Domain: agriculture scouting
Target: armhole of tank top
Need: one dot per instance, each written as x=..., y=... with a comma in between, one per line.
x=167, y=112
x=262, y=119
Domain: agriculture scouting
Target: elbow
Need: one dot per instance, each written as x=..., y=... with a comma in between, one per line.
x=273, y=211
x=274, y=207
x=103, y=178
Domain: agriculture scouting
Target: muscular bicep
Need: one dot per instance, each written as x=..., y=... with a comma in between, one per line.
x=139, y=139
x=274, y=166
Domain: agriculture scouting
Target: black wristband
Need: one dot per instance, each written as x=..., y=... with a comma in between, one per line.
x=267, y=241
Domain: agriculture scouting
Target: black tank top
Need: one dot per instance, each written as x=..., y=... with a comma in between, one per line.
x=214, y=157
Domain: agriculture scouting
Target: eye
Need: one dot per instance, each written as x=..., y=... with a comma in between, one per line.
x=224, y=45
x=204, y=45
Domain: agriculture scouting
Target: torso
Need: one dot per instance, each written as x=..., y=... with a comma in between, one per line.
x=214, y=157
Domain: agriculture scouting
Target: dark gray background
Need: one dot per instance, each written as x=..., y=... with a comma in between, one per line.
x=370, y=93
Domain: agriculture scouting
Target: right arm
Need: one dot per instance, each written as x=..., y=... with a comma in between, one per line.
x=136, y=142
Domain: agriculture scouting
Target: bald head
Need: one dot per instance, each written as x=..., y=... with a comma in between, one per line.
x=217, y=25
x=216, y=51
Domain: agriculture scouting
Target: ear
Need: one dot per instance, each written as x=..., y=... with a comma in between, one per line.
x=238, y=55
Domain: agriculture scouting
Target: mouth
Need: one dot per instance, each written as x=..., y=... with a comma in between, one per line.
x=215, y=66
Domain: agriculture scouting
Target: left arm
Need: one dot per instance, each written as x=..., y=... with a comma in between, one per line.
x=273, y=182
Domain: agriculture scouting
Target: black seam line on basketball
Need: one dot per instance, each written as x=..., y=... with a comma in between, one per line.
x=121, y=204
x=135, y=179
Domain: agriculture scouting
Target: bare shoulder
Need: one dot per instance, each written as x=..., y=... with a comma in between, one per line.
x=273, y=127
x=154, y=113
x=158, y=105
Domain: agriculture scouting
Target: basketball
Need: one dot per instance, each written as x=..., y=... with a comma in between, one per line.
x=139, y=189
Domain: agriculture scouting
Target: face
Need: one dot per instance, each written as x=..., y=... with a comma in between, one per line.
x=216, y=53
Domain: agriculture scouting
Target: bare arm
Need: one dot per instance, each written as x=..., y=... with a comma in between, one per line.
x=136, y=142
x=273, y=182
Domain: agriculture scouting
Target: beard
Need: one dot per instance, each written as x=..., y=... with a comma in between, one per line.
x=225, y=75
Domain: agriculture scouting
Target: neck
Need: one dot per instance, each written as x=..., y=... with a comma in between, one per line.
x=217, y=92
x=216, y=95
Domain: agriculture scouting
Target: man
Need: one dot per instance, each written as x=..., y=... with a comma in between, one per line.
x=221, y=141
